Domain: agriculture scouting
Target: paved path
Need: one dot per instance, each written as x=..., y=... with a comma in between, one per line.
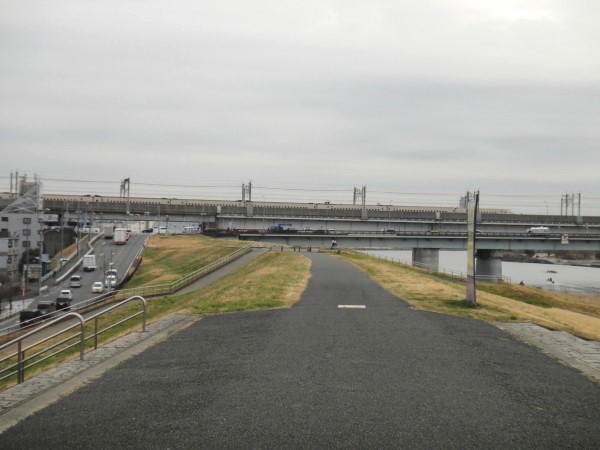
x=317, y=376
x=38, y=392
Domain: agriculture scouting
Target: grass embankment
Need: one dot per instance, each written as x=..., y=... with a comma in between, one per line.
x=495, y=302
x=168, y=258
x=272, y=280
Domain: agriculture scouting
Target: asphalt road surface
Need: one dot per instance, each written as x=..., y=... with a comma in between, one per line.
x=320, y=376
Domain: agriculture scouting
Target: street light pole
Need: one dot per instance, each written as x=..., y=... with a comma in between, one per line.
x=78, y=230
x=41, y=259
x=263, y=215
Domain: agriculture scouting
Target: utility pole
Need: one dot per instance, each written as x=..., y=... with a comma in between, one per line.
x=125, y=193
x=360, y=194
x=472, y=213
x=569, y=200
x=247, y=190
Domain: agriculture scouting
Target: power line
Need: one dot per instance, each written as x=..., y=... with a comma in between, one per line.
x=300, y=189
x=143, y=184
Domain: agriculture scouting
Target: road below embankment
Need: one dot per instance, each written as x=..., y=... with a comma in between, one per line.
x=349, y=366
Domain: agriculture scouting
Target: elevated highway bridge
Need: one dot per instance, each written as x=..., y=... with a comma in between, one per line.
x=426, y=230
x=426, y=246
x=444, y=240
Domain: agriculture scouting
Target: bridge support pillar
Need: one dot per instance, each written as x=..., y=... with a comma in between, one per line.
x=489, y=265
x=426, y=257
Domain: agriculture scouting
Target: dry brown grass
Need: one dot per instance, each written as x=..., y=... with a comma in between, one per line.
x=425, y=291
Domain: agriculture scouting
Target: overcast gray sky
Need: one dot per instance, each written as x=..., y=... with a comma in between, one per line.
x=410, y=98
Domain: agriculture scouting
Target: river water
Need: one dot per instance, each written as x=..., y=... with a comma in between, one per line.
x=554, y=277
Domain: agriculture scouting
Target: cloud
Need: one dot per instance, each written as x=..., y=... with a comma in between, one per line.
x=423, y=95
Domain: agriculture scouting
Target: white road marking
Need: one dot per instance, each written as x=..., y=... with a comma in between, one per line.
x=352, y=306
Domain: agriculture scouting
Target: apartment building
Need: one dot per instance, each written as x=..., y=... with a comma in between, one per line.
x=20, y=229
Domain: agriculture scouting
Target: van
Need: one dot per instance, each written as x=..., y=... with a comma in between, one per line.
x=191, y=230
x=538, y=231
x=75, y=281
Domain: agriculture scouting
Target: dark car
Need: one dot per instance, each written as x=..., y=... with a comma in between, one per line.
x=47, y=309
x=148, y=230
x=44, y=310
x=64, y=299
x=29, y=317
x=63, y=303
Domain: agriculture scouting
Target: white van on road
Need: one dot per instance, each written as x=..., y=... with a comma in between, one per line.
x=75, y=281
x=538, y=231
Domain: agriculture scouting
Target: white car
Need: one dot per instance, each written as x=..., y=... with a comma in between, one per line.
x=97, y=287
x=65, y=294
x=111, y=281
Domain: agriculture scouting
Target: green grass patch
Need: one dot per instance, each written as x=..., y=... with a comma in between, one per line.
x=272, y=280
x=168, y=258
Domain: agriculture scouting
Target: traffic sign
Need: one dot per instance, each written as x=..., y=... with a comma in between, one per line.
x=564, y=238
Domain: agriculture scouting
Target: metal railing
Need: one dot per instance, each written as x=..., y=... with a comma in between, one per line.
x=95, y=317
x=193, y=276
x=24, y=362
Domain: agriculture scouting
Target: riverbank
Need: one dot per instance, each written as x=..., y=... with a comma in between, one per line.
x=545, y=258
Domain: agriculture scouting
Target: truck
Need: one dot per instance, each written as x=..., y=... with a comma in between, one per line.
x=107, y=229
x=120, y=236
x=89, y=263
x=280, y=228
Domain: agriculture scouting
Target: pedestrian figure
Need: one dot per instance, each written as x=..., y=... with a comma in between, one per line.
x=333, y=244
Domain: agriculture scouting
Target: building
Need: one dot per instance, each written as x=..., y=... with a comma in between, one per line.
x=21, y=227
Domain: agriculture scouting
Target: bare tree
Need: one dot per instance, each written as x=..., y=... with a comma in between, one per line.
x=8, y=290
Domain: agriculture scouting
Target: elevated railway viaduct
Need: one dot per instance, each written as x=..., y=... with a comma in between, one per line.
x=426, y=230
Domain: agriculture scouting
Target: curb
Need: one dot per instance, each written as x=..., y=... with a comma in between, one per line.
x=577, y=353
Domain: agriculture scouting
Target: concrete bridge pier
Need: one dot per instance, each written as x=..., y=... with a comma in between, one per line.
x=426, y=257
x=489, y=265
